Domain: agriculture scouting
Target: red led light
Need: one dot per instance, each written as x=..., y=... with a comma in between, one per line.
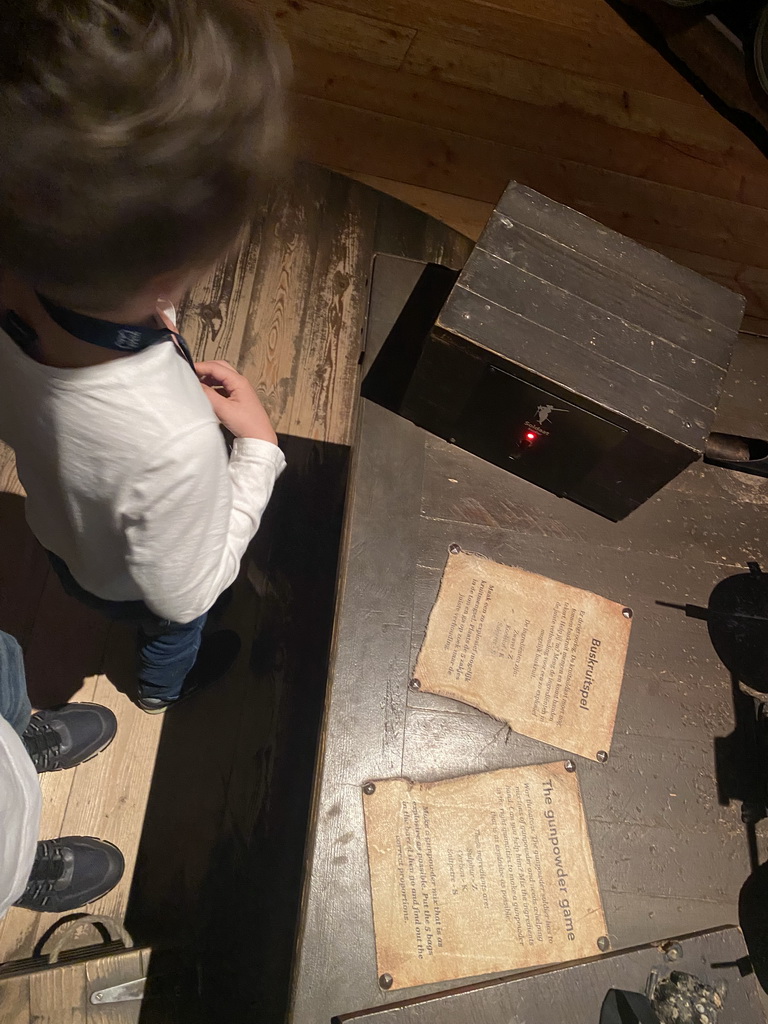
x=530, y=436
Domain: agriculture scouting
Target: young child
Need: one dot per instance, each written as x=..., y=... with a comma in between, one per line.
x=138, y=137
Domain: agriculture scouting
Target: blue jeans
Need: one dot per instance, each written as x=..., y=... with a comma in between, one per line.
x=14, y=702
x=166, y=650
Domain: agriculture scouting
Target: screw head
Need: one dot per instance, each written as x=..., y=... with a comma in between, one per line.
x=97, y=997
x=602, y=756
x=386, y=981
x=455, y=549
x=570, y=766
x=415, y=684
x=627, y=613
x=603, y=943
x=451, y=440
x=672, y=951
x=369, y=788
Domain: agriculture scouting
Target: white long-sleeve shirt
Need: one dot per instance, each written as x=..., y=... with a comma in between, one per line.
x=128, y=479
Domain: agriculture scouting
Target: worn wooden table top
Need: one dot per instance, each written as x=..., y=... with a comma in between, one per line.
x=576, y=992
x=670, y=859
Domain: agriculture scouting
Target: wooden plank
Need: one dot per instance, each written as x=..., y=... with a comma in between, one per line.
x=749, y=281
x=466, y=216
x=708, y=55
x=273, y=738
x=635, y=264
x=599, y=280
x=403, y=231
x=340, y=31
x=212, y=315
x=14, y=1000
x=557, y=131
x=654, y=214
x=612, y=55
x=66, y=650
x=517, y=79
x=276, y=315
x=591, y=327
x=376, y=578
x=576, y=992
x=327, y=370
x=105, y=973
x=56, y=997
x=23, y=565
x=589, y=17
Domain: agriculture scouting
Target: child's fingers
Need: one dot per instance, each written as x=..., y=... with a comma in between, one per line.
x=217, y=400
x=220, y=374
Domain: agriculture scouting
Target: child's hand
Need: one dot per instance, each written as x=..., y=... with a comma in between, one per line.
x=234, y=401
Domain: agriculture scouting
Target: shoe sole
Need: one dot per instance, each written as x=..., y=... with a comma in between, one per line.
x=153, y=711
x=50, y=771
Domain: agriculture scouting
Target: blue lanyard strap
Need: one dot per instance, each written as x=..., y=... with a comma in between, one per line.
x=106, y=334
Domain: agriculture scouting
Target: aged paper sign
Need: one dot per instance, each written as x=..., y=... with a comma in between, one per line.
x=545, y=658
x=480, y=874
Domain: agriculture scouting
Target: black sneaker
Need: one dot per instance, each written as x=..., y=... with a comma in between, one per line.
x=66, y=736
x=70, y=872
x=218, y=653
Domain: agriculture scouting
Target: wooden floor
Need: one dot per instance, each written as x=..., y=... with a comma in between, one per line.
x=188, y=796
x=441, y=102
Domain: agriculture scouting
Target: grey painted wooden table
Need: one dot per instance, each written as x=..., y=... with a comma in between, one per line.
x=670, y=860
x=575, y=992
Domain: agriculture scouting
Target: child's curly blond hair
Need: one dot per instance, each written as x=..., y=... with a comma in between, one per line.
x=137, y=138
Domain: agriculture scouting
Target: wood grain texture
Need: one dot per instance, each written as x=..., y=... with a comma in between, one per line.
x=14, y=1000
x=577, y=992
x=327, y=370
x=510, y=77
x=488, y=92
x=107, y=972
x=611, y=54
x=56, y=997
x=561, y=131
x=342, y=31
x=277, y=313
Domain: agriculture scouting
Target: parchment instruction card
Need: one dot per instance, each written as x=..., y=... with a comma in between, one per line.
x=544, y=657
x=480, y=874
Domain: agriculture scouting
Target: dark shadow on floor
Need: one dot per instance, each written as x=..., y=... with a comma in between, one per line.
x=737, y=621
x=221, y=858
x=64, y=642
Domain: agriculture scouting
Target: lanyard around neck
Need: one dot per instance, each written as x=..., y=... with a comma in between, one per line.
x=109, y=335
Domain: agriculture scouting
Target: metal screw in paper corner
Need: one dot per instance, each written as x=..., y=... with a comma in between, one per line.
x=386, y=981
x=455, y=549
x=415, y=684
x=603, y=943
x=570, y=766
x=627, y=613
x=602, y=756
x=369, y=789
